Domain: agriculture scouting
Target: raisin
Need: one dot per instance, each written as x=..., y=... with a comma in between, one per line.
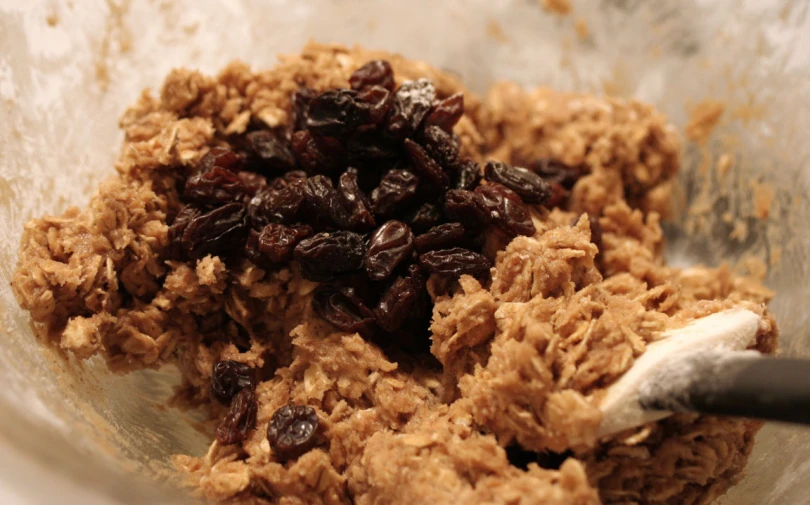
x=368, y=145
x=397, y=304
x=277, y=241
x=318, y=155
x=300, y=102
x=373, y=73
x=374, y=103
x=424, y=217
x=343, y=307
x=240, y=419
x=357, y=205
x=252, y=251
x=530, y=187
x=276, y=205
x=425, y=166
x=556, y=171
x=454, y=262
x=334, y=112
x=186, y=215
x=558, y=195
x=324, y=203
x=221, y=157
x=326, y=255
x=441, y=146
x=268, y=153
x=391, y=244
x=396, y=190
x=292, y=431
x=467, y=175
x=442, y=236
x=228, y=378
x=412, y=102
x=505, y=208
x=214, y=186
x=252, y=182
x=467, y=208
x=446, y=113
x=217, y=232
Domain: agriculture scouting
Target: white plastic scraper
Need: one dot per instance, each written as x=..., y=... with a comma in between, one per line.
x=704, y=368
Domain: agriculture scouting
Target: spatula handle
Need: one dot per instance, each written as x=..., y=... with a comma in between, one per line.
x=741, y=384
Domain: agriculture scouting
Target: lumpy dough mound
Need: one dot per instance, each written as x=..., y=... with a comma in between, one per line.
x=524, y=358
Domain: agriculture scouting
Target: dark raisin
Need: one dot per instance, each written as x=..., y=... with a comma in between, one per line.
x=374, y=104
x=228, y=378
x=277, y=241
x=324, y=203
x=327, y=255
x=292, y=431
x=373, y=73
x=252, y=182
x=252, y=250
x=276, y=205
x=391, y=244
x=556, y=171
x=240, y=419
x=439, y=237
x=558, y=195
x=396, y=190
x=446, y=113
x=412, y=102
x=419, y=281
x=343, y=307
x=217, y=232
x=368, y=145
x=467, y=175
x=425, y=166
x=424, y=217
x=397, y=304
x=357, y=205
x=213, y=187
x=186, y=215
x=530, y=187
x=221, y=157
x=441, y=146
x=454, y=262
x=467, y=208
x=269, y=154
x=300, y=102
x=334, y=112
x=505, y=208
x=317, y=155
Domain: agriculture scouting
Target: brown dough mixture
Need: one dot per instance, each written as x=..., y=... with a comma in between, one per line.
x=524, y=358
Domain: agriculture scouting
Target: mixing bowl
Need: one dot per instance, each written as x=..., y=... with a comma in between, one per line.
x=74, y=433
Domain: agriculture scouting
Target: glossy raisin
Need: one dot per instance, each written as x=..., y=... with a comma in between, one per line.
x=467, y=175
x=529, y=186
x=466, y=207
x=323, y=202
x=317, y=155
x=228, y=378
x=300, y=103
x=426, y=167
x=447, y=112
x=373, y=73
x=293, y=430
x=213, y=187
x=178, y=227
x=355, y=202
x=334, y=112
x=217, y=232
x=441, y=146
x=374, y=104
x=252, y=182
x=505, y=208
x=412, y=102
x=424, y=217
x=556, y=171
x=277, y=241
x=221, y=157
x=268, y=153
x=327, y=255
x=343, y=307
x=454, y=262
x=280, y=206
x=388, y=246
x=395, y=192
x=240, y=419
x=397, y=304
x=443, y=236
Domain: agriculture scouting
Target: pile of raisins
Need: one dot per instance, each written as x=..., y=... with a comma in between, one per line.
x=368, y=192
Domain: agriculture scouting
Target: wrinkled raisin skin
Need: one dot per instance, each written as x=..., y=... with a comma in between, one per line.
x=240, y=420
x=228, y=378
x=324, y=203
x=454, y=262
x=280, y=206
x=505, y=209
x=277, y=241
x=424, y=217
x=447, y=113
x=425, y=166
x=412, y=102
x=443, y=236
x=343, y=307
x=293, y=430
x=355, y=203
x=397, y=304
x=467, y=175
x=269, y=154
x=218, y=232
x=373, y=73
x=467, y=208
x=389, y=245
x=530, y=187
x=396, y=190
x=214, y=187
x=317, y=155
x=441, y=146
x=327, y=255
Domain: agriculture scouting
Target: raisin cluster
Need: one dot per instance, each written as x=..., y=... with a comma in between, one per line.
x=368, y=192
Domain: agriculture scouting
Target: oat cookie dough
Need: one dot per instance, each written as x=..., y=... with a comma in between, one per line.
x=364, y=317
